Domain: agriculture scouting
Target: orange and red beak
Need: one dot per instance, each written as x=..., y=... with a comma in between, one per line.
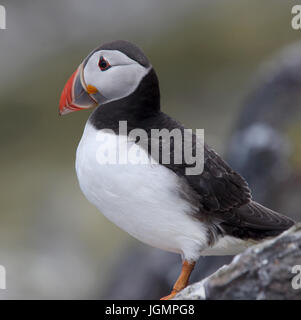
x=76, y=94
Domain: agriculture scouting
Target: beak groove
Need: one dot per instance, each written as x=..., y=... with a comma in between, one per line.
x=74, y=96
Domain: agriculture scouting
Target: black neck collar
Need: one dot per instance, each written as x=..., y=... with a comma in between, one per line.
x=142, y=104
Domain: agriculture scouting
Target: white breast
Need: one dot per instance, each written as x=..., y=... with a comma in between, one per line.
x=142, y=199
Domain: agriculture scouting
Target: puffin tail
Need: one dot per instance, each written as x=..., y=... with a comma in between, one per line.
x=256, y=222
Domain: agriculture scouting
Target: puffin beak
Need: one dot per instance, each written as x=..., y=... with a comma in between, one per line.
x=76, y=94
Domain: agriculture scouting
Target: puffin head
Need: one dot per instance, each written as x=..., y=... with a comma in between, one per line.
x=111, y=72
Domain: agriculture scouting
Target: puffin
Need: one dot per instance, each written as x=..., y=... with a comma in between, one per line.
x=210, y=212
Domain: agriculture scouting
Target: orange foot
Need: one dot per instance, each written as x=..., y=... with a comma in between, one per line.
x=170, y=296
x=182, y=281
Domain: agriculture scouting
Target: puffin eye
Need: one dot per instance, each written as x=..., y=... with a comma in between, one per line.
x=103, y=64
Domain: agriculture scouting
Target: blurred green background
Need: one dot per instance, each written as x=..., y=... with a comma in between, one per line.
x=53, y=243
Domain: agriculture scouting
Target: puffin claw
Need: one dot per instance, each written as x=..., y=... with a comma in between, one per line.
x=170, y=296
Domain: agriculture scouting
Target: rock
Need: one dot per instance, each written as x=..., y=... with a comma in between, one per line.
x=262, y=272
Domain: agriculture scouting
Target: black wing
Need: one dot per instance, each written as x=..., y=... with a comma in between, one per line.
x=221, y=188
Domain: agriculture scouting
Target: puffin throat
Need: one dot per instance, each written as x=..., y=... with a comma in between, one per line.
x=141, y=104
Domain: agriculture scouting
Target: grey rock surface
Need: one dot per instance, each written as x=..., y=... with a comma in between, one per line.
x=262, y=272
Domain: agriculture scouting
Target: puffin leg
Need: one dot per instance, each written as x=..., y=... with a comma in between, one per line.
x=183, y=279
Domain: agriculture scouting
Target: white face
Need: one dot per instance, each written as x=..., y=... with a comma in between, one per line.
x=119, y=80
